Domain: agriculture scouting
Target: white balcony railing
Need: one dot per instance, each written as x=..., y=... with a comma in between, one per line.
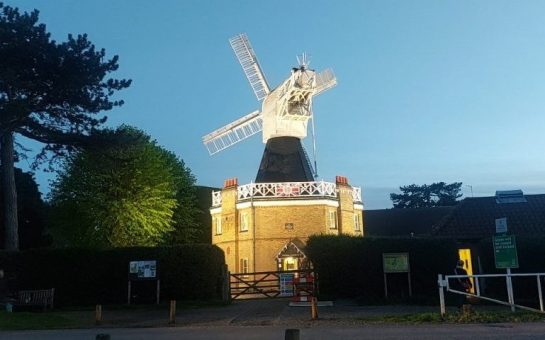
x=286, y=190
x=216, y=198
x=356, y=194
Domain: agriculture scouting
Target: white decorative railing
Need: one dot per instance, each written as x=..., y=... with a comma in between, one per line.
x=356, y=194
x=216, y=198
x=285, y=190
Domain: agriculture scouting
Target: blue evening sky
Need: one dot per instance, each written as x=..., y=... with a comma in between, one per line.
x=427, y=90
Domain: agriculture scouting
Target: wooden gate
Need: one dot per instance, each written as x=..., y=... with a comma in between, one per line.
x=262, y=285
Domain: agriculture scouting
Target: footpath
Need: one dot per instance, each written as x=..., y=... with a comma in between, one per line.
x=257, y=313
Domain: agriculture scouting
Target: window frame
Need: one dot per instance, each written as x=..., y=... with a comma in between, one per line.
x=244, y=222
x=332, y=220
x=244, y=265
x=218, y=225
x=357, y=222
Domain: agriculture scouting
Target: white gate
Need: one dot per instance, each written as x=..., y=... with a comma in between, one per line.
x=444, y=285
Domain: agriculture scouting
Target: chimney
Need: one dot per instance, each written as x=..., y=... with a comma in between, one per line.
x=341, y=180
x=230, y=182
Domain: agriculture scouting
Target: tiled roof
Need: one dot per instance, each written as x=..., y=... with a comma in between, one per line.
x=403, y=222
x=476, y=218
x=295, y=247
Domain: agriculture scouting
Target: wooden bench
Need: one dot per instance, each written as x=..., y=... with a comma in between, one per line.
x=42, y=298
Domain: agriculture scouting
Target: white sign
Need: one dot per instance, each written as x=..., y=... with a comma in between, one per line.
x=143, y=269
x=501, y=225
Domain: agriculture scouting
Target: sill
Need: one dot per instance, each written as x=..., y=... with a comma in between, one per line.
x=244, y=231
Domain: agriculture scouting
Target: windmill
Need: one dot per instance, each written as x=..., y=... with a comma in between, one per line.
x=283, y=119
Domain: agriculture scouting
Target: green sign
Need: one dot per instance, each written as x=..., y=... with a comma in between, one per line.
x=395, y=262
x=505, y=252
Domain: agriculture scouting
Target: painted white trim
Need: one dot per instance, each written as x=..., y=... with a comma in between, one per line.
x=358, y=206
x=284, y=203
x=244, y=205
x=215, y=210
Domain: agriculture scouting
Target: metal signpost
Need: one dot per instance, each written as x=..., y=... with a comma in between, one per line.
x=396, y=263
x=501, y=225
x=143, y=271
x=505, y=255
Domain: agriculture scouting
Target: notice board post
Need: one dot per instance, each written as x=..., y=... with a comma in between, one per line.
x=505, y=255
x=143, y=271
x=396, y=263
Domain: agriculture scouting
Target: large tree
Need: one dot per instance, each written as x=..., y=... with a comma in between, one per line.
x=424, y=196
x=128, y=194
x=50, y=92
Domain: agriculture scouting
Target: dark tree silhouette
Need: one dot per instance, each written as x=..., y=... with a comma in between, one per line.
x=50, y=92
x=425, y=196
x=32, y=212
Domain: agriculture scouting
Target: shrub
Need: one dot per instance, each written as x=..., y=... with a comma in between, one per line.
x=352, y=266
x=87, y=276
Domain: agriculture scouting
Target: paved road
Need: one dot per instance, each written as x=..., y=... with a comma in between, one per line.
x=383, y=332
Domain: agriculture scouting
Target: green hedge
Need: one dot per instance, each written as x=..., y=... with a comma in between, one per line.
x=86, y=276
x=351, y=267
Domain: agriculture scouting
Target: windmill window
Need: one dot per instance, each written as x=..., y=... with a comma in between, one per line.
x=217, y=222
x=244, y=222
x=357, y=222
x=244, y=265
x=332, y=220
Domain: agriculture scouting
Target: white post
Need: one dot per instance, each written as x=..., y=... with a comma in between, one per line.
x=539, y=293
x=477, y=288
x=510, y=296
x=441, y=294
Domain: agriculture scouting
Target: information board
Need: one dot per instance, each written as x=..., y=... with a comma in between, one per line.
x=395, y=262
x=143, y=270
x=505, y=252
x=286, y=284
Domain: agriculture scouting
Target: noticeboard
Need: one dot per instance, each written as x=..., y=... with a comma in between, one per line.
x=395, y=262
x=143, y=270
x=286, y=284
x=505, y=252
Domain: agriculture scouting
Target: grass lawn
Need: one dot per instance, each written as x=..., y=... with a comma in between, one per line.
x=84, y=316
x=44, y=320
x=475, y=317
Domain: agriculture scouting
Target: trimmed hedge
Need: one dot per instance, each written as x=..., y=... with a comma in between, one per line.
x=351, y=267
x=87, y=276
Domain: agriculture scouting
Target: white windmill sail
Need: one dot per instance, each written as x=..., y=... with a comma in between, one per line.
x=233, y=133
x=285, y=110
x=246, y=56
x=324, y=81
